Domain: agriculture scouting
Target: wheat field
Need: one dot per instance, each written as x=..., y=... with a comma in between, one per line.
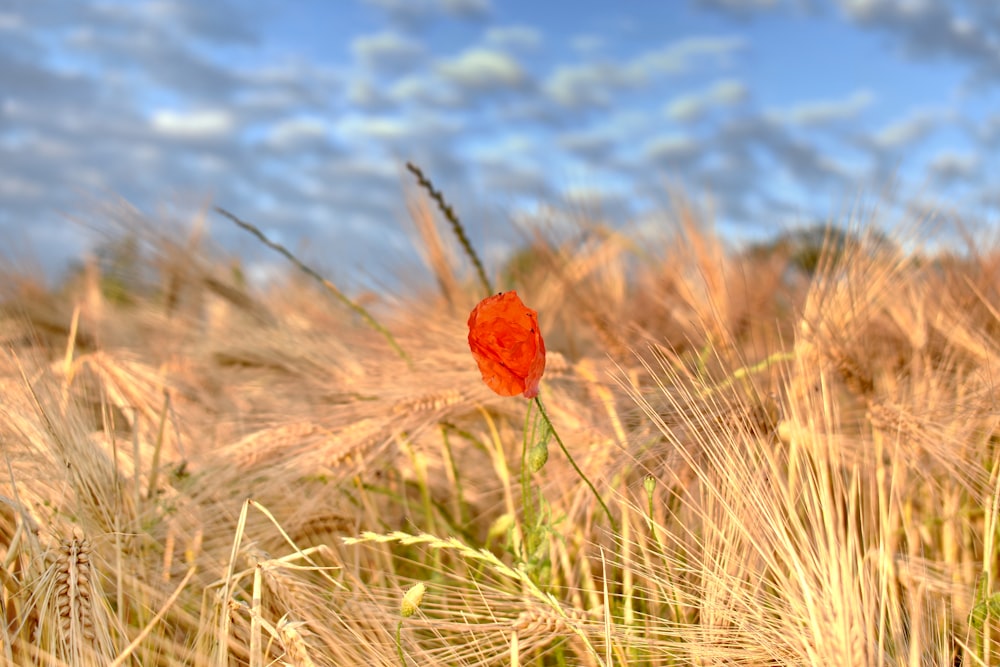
x=798, y=455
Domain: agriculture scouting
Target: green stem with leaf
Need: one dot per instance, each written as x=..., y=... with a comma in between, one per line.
x=572, y=462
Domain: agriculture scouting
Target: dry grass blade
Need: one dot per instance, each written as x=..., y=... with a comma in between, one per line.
x=330, y=287
x=128, y=650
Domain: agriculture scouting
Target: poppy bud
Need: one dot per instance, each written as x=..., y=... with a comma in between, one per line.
x=538, y=456
x=649, y=483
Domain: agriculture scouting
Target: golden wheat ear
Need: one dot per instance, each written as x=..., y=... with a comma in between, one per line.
x=74, y=626
x=74, y=593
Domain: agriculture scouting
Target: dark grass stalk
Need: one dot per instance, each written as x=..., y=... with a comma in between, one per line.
x=456, y=224
x=572, y=462
x=154, y=471
x=330, y=287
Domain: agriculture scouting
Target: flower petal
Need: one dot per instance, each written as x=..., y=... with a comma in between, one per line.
x=507, y=345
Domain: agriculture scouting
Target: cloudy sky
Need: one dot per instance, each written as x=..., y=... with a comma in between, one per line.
x=298, y=115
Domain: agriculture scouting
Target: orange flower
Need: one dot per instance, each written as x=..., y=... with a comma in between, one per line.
x=507, y=345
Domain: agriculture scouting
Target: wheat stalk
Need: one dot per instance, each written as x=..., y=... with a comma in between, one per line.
x=482, y=556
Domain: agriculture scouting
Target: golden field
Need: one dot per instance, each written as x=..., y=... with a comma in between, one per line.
x=799, y=453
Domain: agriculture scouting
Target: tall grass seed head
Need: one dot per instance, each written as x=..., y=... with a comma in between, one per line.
x=411, y=600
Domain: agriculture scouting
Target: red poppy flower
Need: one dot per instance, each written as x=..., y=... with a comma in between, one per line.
x=507, y=344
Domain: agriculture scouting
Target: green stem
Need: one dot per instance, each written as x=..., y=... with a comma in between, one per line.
x=526, y=499
x=555, y=434
x=399, y=643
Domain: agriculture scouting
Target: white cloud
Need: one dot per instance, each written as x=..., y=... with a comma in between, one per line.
x=387, y=50
x=50, y=148
x=745, y=8
x=14, y=187
x=424, y=90
x=751, y=146
x=365, y=94
x=217, y=21
x=483, y=69
x=312, y=137
x=291, y=85
x=412, y=132
x=124, y=38
x=294, y=132
x=595, y=84
x=686, y=108
x=692, y=107
x=933, y=28
x=514, y=36
x=599, y=142
x=907, y=131
x=674, y=149
x=10, y=22
x=511, y=179
x=415, y=13
x=587, y=43
x=375, y=127
x=592, y=144
x=605, y=201
x=828, y=111
x=683, y=55
x=466, y=8
x=502, y=164
x=32, y=82
x=592, y=84
x=728, y=91
x=404, y=12
x=205, y=124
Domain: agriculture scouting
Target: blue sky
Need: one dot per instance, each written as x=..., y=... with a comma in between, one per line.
x=299, y=115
